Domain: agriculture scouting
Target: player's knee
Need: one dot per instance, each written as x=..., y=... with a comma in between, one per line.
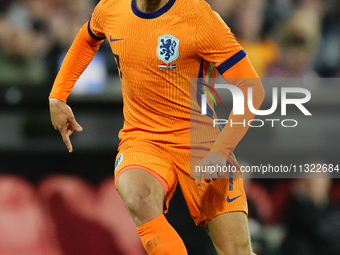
x=142, y=194
x=142, y=204
x=137, y=200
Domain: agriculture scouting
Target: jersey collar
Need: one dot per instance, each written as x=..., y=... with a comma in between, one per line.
x=152, y=15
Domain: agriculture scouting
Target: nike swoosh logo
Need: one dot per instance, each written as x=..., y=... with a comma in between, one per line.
x=115, y=40
x=229, y=200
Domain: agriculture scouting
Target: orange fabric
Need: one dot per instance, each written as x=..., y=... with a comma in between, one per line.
x=243, y=76
x=162, y=112
x=176, y=163
x=160, y=238
x=243, y=69
x=161, y=104
x=77, y=59
x=157, y=176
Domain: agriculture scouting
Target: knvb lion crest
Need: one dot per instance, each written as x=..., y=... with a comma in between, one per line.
x=167, y=49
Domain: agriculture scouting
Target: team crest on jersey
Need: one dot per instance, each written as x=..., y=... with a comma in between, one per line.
x=167, y=49
x=119, y=160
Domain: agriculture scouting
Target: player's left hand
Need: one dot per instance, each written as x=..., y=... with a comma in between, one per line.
x=212, y=159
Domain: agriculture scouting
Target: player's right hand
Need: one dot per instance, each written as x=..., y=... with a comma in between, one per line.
x=63, y=121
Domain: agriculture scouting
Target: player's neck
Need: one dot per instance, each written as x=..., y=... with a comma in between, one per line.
x=150, y=5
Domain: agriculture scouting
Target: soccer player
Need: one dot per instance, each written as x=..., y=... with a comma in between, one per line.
x=159, y=45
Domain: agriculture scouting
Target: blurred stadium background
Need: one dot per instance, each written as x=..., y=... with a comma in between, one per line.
x=52, y=202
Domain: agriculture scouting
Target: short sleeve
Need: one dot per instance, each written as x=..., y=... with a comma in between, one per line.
x=95, y=27
x=216, y=43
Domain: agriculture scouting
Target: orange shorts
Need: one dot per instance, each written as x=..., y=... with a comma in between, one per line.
x=171, y=163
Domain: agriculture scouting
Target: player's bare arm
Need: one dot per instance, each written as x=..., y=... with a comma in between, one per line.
x=63, y=121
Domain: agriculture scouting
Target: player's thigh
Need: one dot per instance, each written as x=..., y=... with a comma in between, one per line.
x=142, y=193
x=145, y=178
x=230, y=233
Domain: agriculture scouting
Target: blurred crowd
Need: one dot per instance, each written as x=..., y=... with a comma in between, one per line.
x=286, y=38
x=283, y=38
x=33, y=35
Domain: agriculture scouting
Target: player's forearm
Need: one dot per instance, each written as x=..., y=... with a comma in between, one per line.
x=237, y=125
x=78, y=57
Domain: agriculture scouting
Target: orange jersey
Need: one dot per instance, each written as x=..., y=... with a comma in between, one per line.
x=157, y=54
